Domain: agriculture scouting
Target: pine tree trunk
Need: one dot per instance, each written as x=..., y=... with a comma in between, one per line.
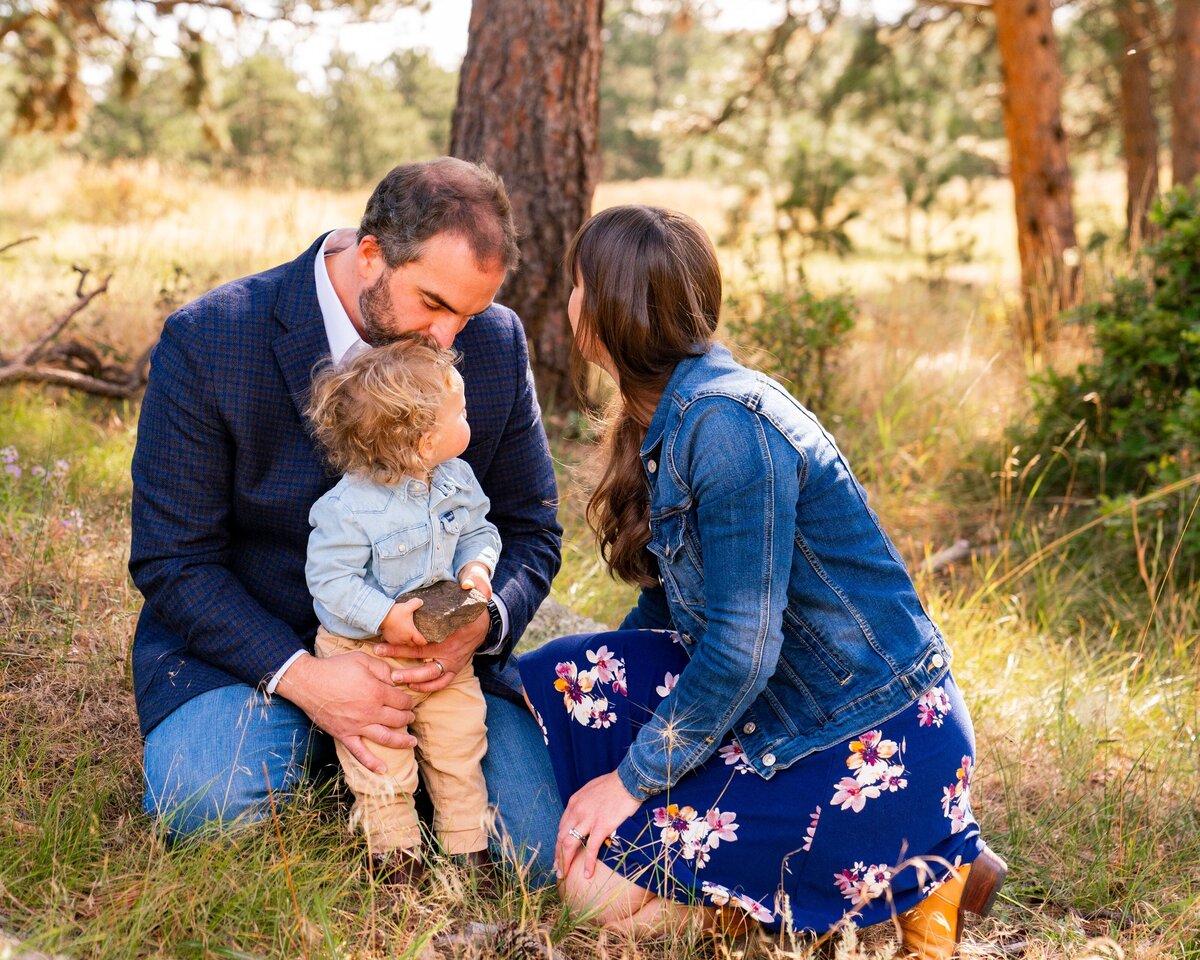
x=1139, y=133
x=1041, y=175
x=1185, y=93
x=529, y=107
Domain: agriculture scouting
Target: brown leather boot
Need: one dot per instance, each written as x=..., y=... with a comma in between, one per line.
x=486, y=872
x=396, y=867
x=932, y=929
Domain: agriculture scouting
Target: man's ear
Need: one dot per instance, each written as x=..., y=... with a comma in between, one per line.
x=369, y=258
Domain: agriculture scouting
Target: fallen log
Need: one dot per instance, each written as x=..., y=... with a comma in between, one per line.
x=74, y=363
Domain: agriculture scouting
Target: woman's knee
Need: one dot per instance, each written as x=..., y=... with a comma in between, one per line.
x=606, y=899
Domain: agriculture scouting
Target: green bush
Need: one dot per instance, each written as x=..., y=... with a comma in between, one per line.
x=795, y=335
x=1129, y=421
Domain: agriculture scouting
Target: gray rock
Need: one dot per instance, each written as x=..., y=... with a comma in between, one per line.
x=10, y=949
x=444, y=608
x=554, y=620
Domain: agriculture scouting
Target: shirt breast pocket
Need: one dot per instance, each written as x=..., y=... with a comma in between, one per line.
x=402, y=557
x=454, y=521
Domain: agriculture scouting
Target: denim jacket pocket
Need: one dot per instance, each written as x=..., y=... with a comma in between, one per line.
x=803, y=642
x=402, y=556
x=677, y=561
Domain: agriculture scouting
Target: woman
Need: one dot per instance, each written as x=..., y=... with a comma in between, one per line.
x=773, y=731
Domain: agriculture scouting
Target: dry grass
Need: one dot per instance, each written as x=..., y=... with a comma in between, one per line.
x=1088, y=761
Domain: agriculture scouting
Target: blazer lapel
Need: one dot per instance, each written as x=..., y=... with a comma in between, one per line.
x=302, y=343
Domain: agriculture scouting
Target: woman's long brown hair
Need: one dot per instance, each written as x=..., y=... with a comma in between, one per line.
x=651, y=297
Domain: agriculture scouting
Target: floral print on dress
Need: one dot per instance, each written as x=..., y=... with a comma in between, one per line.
x=734, y=756
x=869, y=756
x=956, y=799
x=861, y=883
x=810, y=831
x=783, y=839
x=878, y=765
x=720, y=896
x=933, y=707
x=582, y=690
x=696, y=835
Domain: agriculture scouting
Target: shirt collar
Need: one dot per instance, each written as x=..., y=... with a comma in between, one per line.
x=338, y=329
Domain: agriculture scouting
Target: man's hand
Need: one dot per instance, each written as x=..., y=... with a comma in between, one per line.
x=594, y=812
x=398, y=629
x=454, y=653
x=476, y=575
x=352, y=698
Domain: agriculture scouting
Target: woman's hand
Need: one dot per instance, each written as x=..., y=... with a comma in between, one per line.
x=594, y=811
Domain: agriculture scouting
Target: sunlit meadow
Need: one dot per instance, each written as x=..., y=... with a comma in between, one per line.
x=1075, y=645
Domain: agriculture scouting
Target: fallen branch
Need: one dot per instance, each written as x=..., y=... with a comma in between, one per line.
x=959, y=550
x=74, y=363
x=16, y=243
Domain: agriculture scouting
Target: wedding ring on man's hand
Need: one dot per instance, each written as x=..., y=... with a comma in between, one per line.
x=578, y=836
x=441, y=666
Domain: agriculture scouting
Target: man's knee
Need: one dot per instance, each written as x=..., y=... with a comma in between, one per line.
x=218, y=760
x=521, y=787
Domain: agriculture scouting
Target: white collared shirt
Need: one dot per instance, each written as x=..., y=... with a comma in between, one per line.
x=339, y=330
x=343, y=339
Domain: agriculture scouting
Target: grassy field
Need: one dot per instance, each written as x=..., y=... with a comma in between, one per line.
x=1075, y=645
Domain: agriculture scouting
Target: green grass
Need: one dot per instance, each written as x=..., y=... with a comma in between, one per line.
x=1081, y=666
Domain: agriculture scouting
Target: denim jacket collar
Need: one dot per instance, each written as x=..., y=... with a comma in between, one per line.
x=685, y=370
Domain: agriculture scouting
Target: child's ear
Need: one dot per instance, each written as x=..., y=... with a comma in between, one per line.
x=425, y=446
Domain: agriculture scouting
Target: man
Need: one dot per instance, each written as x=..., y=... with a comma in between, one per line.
x=225, y=472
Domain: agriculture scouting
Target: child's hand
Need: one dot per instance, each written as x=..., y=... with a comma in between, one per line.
x=475, y=574
x=398, y=627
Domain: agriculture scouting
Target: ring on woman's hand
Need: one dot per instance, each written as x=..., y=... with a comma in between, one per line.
x=582, y=838
x=441, y=667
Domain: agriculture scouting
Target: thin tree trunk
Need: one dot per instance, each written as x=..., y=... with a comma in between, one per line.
x=1139, y=133
x=529, y=106
x=1040, y=173
x=1185, y=93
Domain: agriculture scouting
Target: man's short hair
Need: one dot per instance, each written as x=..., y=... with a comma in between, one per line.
x=417, y=201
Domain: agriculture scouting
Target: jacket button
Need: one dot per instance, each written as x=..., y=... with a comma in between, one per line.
x=938, y=661
x=651, y=465
x=768, y=760
x=660, y=581
x=750, y=727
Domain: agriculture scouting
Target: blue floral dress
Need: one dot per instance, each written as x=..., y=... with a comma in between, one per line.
x=863, y=829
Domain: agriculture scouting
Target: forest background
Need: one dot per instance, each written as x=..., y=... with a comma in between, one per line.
x=1019, y=392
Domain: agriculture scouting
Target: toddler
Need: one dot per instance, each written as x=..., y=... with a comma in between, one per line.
x=407, y=513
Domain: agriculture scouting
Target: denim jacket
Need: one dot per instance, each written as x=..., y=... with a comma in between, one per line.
x=802, y=625
x=372, y=542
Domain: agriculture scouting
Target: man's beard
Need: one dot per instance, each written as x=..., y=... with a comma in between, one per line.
x=378, y=313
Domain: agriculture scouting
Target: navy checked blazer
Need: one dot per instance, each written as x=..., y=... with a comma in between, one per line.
x=225, y=471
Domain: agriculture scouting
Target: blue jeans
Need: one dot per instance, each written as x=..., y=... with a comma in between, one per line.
x=217, y=759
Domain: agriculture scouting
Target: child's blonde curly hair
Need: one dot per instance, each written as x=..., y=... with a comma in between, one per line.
x=370, y=413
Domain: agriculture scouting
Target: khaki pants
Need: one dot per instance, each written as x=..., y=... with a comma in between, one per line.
x=451, y=732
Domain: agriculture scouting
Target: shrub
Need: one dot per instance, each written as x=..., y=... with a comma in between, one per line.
x=795, y=335
x=1130, y=419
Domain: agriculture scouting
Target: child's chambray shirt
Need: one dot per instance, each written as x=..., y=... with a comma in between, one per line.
x=372, y=542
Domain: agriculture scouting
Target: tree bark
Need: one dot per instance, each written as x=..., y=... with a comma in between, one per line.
x=1185, y=93
x=1041, y=175
x=1139, y=132
x=529, y=106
